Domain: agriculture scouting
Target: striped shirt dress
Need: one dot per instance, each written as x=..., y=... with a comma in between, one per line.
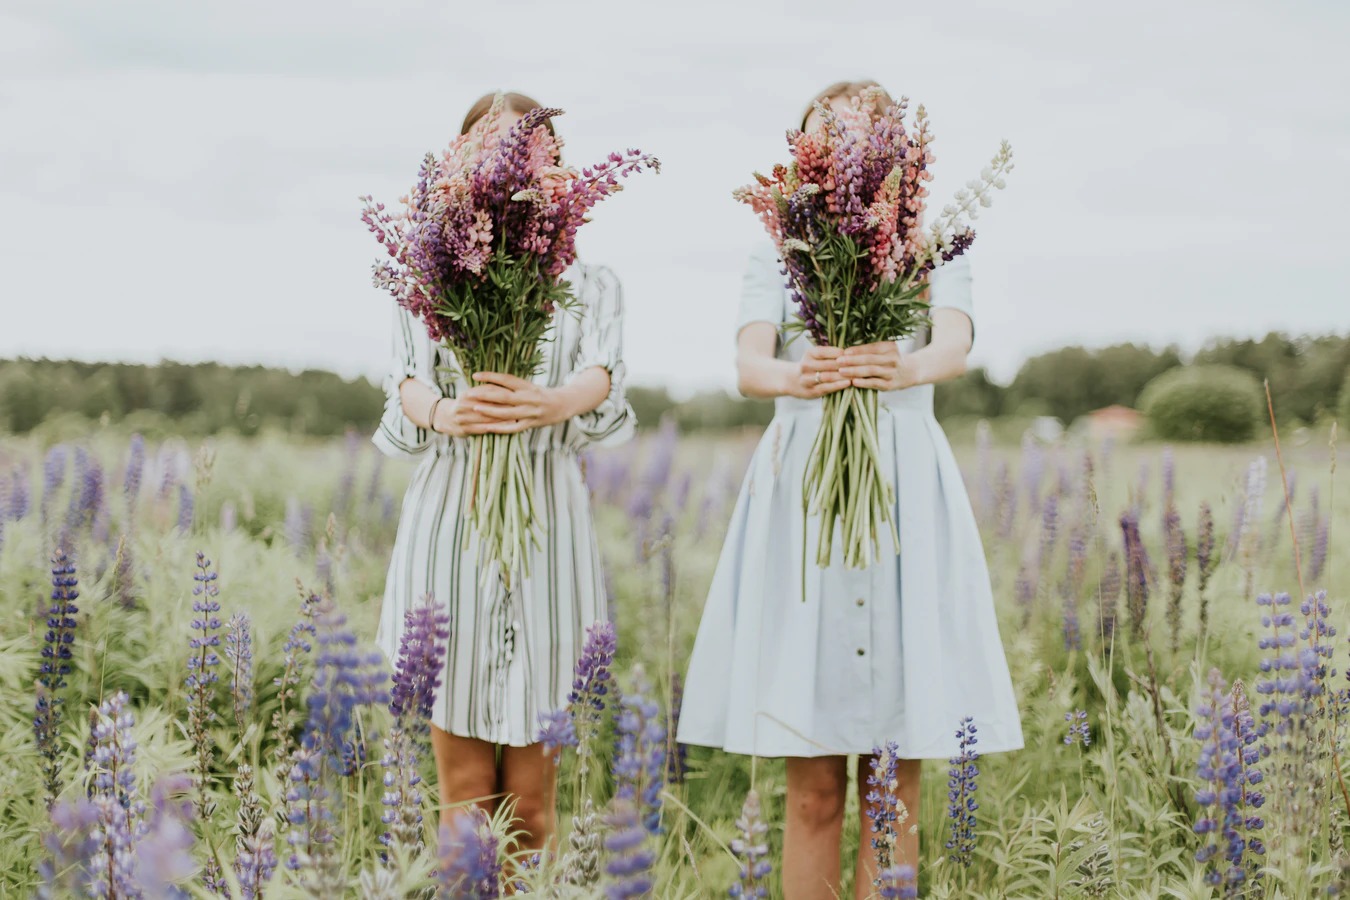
x=899, y=651
x=511, y=652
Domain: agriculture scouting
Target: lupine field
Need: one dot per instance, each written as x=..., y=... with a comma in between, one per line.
x=192, y=705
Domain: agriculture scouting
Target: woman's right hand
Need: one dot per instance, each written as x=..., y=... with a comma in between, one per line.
x=817, y=375
x=458, y=418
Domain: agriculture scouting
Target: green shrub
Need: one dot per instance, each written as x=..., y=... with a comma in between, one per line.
x=1204, y=403
x=1343, y=413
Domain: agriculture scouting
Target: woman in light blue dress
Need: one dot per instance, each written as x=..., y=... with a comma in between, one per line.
x=900, y=651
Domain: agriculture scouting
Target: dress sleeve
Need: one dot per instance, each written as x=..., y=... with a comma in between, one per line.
x=601, y=344
x=951, y=289
x=397, y=436
x=761, y=289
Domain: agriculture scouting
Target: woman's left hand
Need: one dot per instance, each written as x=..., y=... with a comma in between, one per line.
x=516, y=404
x=879, y=366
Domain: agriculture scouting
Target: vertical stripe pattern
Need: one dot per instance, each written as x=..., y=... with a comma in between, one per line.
x=511, y=652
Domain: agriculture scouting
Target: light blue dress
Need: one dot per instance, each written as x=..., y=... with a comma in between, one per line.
x=900, y=651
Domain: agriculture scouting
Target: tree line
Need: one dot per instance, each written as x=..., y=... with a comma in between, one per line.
x=1307, y=378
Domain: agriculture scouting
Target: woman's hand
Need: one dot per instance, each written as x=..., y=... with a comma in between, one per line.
x=502, y=404
x=879, y=366
x=818, y=374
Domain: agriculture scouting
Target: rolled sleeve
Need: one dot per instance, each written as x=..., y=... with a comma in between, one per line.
x=397, y=435
x=762, y=289
x=951, y=289
x=601, y=344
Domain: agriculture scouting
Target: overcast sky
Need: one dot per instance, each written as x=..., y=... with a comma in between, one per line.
x=179, y=179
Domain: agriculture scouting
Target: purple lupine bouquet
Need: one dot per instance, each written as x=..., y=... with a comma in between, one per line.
x=847, y=216
x=478, y=255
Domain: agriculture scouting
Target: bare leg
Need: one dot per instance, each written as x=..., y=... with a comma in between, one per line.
x=907, y=832
x=466, y=772
x=816, y=791
x=530, y=780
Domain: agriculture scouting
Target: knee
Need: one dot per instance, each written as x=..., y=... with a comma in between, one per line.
x=533, y=815
x=819, y=804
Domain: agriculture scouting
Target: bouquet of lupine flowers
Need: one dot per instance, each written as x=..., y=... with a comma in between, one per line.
x=847, y=216
x=478, y=254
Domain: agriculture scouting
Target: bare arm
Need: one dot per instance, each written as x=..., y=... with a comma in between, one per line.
x=883, y=367
x=761, y=375
x=500, y=404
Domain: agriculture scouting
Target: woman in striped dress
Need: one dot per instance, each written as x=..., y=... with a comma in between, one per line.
x=512, y=651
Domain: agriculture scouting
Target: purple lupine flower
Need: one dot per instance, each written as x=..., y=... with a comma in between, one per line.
x=898, y=883
x=345, y=679
x=680, y=495
x=1229, y=751
x=1246, y=535
x=1079, y=733
x=88, y=497
x=120, y=811
x=295, y=527
x=1178, y=557
x=229, y=517
x=201, y=678
x=1136, y=574
x=131, y=480
x=1169, y=475
x=56, y=665
x=590, y=686
x=556, y=731
x=1317, y=556
x=1025, y=590
x=640, y=758
x=961, y=787
x=1006, y=501
x=184, y=508
x=1049, y=531
x=677, y=754
x=309, y=814
x=629, y=858
x=1073, y=586
x=373, y=487
x=468, y=866
x=1286, y=496
x=1108, y=593
x=72, y=843
x=297, y=647
x=417, y=677
x=751, y=849
x=1033, y=468
x=1317, y=631
x=239, y=654
x=19, y=500
x=53, y=476
x=1283, y=671
x=1140, y=491
x=163, y=854
x=1206, y=560
x=883, y=803
x=342, y=497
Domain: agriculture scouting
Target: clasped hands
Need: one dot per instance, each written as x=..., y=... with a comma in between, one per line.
x=879, y=366
x=499, y=404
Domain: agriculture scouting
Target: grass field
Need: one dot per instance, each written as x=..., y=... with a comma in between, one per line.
x=1117, y=817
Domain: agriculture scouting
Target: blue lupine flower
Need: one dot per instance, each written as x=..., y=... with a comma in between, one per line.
x=629, y=859
x=345, y=679
x=1229, y=750
x=239, y=653
x=1079, y=733
x=556, y=731
x=898, y=883
x=640, y=759
x=120, y=810
x=961, y=787
x=468, y=867
x=883, y=802
x=202, y=678
x=56, y=665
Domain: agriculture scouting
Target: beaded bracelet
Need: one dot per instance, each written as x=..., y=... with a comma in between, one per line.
x=431, y=414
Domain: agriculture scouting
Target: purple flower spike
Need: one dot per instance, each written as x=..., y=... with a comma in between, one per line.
x=202, y=678
x=468, y=866
x=56, y=665
x=640, y=759
x=629, y=859
x=556, y=731
x=883, y=803
x=345, y=680
x=961, y=787
x=898, y=883
x=1230, y=747
x=239, y=653
x=1079, y=733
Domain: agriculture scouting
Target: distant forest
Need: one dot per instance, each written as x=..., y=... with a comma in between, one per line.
x=1307, y=376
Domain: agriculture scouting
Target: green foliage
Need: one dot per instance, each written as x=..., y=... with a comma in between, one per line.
x=1304, y=372
x=973, y=394
x=1344, y=412
x=1204, y=403
x=1073, y=381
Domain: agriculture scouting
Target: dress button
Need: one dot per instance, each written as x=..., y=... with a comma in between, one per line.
x=859, y=601
x=861, y=651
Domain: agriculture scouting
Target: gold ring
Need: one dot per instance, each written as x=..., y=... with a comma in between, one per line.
x=817, y=378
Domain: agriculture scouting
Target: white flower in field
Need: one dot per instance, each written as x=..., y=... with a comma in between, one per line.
x=796, y=245
x=1000, y=183
x=985, y=200
x=987, y=173
x=949, y=210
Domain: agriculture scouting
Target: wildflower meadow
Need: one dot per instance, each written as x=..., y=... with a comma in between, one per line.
x=192, y=705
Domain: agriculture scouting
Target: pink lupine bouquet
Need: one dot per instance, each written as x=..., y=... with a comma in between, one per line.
x=847, y=216
x=478, y=255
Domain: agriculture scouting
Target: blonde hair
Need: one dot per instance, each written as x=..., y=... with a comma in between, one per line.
x=848, y=89
x=516, y=103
